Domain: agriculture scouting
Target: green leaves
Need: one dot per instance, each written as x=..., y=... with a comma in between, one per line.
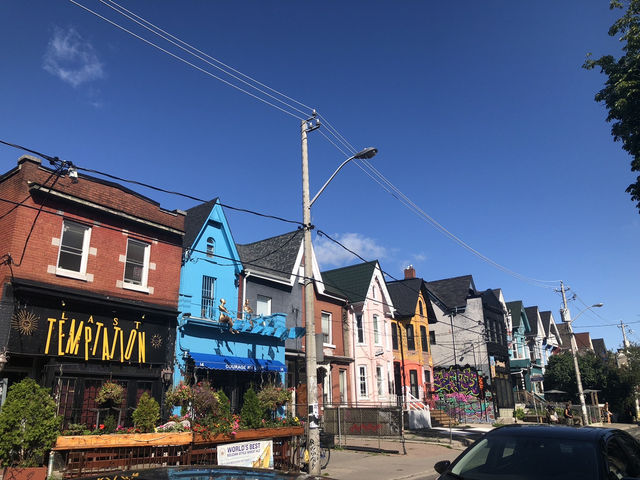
x=28, y=425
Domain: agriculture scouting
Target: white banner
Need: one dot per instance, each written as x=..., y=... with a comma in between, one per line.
x=256, y=454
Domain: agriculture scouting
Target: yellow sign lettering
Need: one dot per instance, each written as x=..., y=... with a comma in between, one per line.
x=60, y=337
x=52, y=322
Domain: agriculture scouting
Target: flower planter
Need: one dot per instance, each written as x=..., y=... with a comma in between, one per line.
x=26, y=473
x=78, y=442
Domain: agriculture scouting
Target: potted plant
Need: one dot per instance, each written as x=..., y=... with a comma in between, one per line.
x=110, y=394
x=29, y=427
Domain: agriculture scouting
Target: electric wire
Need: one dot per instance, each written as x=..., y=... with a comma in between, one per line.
x=200, y=54
x=187, y=62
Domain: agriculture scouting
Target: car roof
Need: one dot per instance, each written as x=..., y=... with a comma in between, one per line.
x=554, y=431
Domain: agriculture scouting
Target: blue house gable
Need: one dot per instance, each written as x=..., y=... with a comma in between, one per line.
x=215, y=341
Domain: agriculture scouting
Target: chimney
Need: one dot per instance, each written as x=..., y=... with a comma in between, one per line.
x=409, y=272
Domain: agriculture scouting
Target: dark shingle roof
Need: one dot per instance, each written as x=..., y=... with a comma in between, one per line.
x=195, y=219
x=404, y=295
x=563, y=330
x=599, y=347
x=583, y=341
x=453, y=292
x=546, y=323
x=275, y=256
x=517, y=313
x=532, y=315
x=351, y=282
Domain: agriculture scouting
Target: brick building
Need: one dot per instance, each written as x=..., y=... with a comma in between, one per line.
x=90, y=277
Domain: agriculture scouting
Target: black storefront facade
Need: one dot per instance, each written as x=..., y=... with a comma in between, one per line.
x=72, y=341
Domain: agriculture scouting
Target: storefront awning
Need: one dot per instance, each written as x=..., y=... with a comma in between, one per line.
x=238, y=364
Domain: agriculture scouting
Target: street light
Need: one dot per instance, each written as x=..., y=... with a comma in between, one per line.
x=574, y=348
x=313, y=435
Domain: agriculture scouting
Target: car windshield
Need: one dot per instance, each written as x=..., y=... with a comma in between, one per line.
x=502, y=457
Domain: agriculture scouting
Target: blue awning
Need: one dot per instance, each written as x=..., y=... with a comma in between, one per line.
x=237, y=364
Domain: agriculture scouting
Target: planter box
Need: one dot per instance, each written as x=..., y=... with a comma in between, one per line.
x=79, y=442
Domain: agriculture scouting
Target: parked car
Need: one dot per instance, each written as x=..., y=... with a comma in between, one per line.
x=201, y=473
x=538, y=452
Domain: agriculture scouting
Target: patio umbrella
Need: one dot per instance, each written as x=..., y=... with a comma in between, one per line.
x=554, y=391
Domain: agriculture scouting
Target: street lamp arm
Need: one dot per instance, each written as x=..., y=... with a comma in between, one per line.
x=364, y=154
x=585, y=309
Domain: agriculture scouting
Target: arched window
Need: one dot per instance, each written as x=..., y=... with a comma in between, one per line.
x=420, y=308
x=210, y=247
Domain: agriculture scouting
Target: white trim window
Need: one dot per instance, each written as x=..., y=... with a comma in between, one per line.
x=326, y=328
x=136, y=266
x=263, y=305
x=376, y=330
x=379, y=380
x=362, y=381
x=360, y=327
x=74, y=250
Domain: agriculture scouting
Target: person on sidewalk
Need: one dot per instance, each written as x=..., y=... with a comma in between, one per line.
x=606, y=414
x=551, y=415
x=568, y=416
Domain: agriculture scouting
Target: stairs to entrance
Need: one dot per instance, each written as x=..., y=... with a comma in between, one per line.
x=439, y=418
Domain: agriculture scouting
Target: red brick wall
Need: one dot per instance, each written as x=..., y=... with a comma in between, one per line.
x=108, y=235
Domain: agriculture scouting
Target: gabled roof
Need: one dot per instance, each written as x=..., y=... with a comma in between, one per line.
x=546, y=323
x=404, y=295
x=518, y=314
x=563, y=330
x=453, y=292
x=351, y=282
x=583, y=341
x=194, y=221
x=533, y=316
x=275, y=256
x=599, y=347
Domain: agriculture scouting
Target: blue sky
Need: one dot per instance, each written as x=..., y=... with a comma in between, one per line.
x=481, y=111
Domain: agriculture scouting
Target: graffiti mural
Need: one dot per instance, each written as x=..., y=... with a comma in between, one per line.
x=456, y=379
x=469, y=410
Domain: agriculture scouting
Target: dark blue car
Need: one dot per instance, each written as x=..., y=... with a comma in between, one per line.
x=538, y=452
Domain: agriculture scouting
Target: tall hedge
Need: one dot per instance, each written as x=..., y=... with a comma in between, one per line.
x=29, y=425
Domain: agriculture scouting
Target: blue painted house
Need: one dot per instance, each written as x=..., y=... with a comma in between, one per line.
x=524, y=372
x=216, y=341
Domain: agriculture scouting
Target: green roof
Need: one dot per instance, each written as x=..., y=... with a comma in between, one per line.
x=351, y=282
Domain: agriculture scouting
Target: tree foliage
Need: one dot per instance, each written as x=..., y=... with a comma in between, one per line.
x=615, y=385
x=252, y=412
x=146, y=414
x=29, y=425
x=621, y=93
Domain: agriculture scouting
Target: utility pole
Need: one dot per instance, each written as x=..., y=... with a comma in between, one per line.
x=313, y=434
x=625, y=342
x=566, y=317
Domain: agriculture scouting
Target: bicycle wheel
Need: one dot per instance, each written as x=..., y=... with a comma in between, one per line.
x=325, y=454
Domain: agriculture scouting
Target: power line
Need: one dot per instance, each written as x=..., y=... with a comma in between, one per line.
x=187, y=62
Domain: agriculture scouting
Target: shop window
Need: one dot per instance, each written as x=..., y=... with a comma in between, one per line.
x=326, y=328
x=74, y=249
x=263, y=305
x=210, y=247
x=360, y=328
x=362, y=377
x=136, y=269
x=376, y=330
x=394, y=335
x=208, y=297
x=423, y=338
x=411, y=341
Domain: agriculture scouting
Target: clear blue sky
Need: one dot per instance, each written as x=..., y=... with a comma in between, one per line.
x=481, y=111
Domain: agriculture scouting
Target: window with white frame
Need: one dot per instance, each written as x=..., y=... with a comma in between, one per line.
x=208, y=307
x=211, y=244
x=136, y=267
x=326, y=327
x=263, y=305
x=379, y=380
x=376, y=330
x=74, y=249
x=362, y=378
x=360, y=328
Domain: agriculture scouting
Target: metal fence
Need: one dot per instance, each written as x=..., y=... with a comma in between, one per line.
x=349, y=424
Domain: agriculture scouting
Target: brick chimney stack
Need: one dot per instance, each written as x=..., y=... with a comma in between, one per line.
x=409, y=272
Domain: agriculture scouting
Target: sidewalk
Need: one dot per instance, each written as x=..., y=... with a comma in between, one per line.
x=416, y=464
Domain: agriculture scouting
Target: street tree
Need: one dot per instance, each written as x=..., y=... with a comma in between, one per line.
x=621, y=93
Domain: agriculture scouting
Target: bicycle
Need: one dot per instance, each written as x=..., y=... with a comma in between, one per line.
x=326, y=442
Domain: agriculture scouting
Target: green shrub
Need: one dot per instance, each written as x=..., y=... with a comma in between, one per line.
x=519, y=414
x=110, y=424
x=29, y=425
x=146, y=414
x=252, y=413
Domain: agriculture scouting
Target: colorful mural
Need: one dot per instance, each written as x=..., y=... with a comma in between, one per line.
x=455, y=379
x=467, y=410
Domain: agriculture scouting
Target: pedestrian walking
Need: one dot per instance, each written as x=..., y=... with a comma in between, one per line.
x=606, y=414
x=568, y=416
